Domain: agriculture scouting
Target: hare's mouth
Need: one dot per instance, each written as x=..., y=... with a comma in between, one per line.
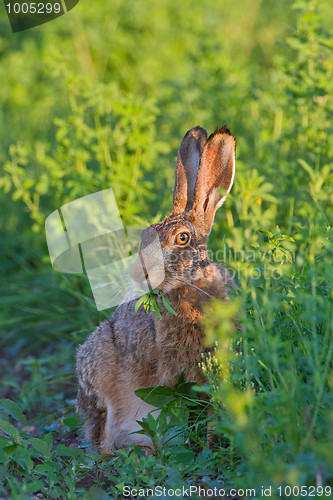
x=150, y=278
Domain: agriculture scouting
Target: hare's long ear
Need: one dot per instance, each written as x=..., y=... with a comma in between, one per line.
x=215, y=178
x=187, y=169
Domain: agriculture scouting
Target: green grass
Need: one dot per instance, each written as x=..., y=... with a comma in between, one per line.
x=101, y=98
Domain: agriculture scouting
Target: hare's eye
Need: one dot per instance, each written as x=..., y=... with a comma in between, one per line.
x=182, y=238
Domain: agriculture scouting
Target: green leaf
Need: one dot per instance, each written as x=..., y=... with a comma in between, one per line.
x=10, y=448
x=145, y=428
x=288, y=238
x=13, y=410
x=40, y=446
x=167, y=306
x=268, y=233
x=159, y=396
x=9, y=429
x=158, y=314
x=48, y=439
x=307, y=168
x=48, y=468
x=151, y=422
x=182, y=455
x=64, y=451
x=138, y=451
x=22, y=456
x=267, y=247
x=139, y=302
x=72, y=422
x=157, y=305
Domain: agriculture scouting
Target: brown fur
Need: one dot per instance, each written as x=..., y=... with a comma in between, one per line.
x=135, y=349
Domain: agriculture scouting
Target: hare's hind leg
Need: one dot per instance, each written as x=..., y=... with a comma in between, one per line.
x=121, y=423
x=112, y=424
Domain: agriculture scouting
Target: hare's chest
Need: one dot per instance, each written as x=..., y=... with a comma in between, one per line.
x=180, y=351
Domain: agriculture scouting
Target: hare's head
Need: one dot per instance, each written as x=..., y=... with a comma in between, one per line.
x=171, y=252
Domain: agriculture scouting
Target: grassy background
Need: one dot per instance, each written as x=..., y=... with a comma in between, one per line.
x=102, y=97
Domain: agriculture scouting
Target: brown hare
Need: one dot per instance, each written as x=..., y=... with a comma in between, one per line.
x=134, y=349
